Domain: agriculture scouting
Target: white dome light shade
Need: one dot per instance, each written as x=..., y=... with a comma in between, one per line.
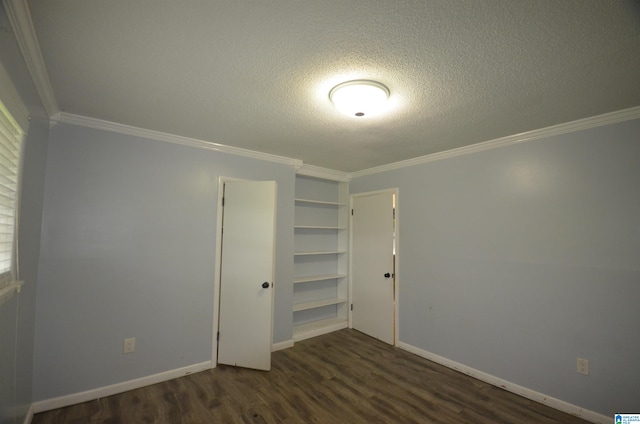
x=359, y=97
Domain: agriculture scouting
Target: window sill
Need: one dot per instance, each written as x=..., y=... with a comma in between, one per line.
x=6, y=292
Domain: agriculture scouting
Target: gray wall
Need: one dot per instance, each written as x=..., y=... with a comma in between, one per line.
x=17, y=315
x=517, y=260
x=128, y=250
x=31, y=204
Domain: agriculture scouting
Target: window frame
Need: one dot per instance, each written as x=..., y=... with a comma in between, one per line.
x=13, y=136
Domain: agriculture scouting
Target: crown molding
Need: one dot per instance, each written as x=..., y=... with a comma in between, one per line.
x=324, y=173
x=84, y=121
x=569, y=127
x=20, y=18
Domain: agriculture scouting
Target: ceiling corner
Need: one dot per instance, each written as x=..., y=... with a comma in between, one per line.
x=20, y=18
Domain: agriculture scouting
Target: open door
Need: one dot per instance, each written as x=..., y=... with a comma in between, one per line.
x=246, y=274
x=373, y=270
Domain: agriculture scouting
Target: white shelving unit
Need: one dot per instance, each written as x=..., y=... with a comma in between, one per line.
x=318, y=303
x=320, y=289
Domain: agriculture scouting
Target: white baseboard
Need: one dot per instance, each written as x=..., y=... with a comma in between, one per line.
x=282, y=345
x=29, y=417
x=75, y=398
x=510, y=387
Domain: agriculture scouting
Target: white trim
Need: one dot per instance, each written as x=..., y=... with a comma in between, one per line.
x=20, y=18
x=125, y=386
x=324, y=173
x=282, y=345
x=6, y=292
x=579, y=125
x=396, y=264
x=29, y=417
x=85, y=121
x=549, y=401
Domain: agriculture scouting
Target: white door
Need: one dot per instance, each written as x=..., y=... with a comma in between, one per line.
x=246, y=274
x=372, y=263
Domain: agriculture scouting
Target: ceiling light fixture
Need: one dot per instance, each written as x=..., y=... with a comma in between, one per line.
x=359, y=97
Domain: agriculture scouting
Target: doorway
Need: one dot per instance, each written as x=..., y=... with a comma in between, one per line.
x=374, y=252
x=243, y=315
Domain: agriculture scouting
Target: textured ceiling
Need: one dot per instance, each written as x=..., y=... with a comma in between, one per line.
x=256, y=74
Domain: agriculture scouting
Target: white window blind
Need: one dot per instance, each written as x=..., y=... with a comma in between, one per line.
x=10, y=142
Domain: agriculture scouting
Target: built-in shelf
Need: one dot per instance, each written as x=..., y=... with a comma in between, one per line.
x=319, y=227
x=320, y=294
x=319, y=202
x=332, y=252
x=311, y=278
x=317, y=328
x=318, y=304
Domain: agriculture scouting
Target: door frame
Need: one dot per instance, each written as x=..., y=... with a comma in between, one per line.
x=396, y=307
x=218, y=263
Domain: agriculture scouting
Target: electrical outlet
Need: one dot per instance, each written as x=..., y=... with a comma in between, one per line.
x=582, y=366
x=130, y=345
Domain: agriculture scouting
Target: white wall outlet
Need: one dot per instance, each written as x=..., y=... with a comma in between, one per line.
x=130, y=345
x=582, y=366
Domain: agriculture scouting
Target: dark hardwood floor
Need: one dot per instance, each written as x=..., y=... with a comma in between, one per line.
x=342, y=377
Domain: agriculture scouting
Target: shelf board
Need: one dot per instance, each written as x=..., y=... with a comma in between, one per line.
x=318, y=304
x=319, y=202
x=317, y=328
x=319, y=227
x=333, y=252
x=323, y=277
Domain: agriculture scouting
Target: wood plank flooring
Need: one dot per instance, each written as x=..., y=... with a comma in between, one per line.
x=341, y=377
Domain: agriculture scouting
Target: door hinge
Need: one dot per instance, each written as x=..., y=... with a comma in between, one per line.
x=352, y=306
x=218, y=336
x=351, y=212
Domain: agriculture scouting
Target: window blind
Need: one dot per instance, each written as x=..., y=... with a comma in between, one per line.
x=10, y=142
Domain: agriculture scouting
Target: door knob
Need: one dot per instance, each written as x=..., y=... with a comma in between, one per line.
x=265, y=285
x=387, y=275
